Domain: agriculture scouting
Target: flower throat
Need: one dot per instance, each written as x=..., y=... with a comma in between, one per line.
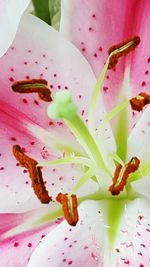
x=63, y=108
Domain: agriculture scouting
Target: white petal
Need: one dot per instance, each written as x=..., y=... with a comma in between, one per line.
x=86, y=243
x=10, y=14
x=139, y=138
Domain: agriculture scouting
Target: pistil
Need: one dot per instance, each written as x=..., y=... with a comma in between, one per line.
x=64, y=108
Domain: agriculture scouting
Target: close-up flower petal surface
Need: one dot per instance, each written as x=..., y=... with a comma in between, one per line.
x=74, y=135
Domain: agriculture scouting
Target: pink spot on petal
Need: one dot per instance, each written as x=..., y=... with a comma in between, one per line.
x=11, y=79
x=16, y=244
x=105, y=89
x=94, y=257
x=95, y=55
x=32, y=143
x=142, y=245
x=36, y=102
x=13, y=139
x=126, y=262
x=143, y=83
x=24, y=101
x=70, y=262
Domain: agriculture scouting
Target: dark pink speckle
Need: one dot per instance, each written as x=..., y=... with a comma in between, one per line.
x=143, y=83
x=16, y=244
x=11, y=79
x=29, y=245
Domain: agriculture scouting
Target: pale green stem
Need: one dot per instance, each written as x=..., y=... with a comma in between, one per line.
x=99, y=83
x=49, y=217
x=68, y=160
x=94, y=96
x=82, y=181
x=143, y=171
x=83, y=135
x=110, y=115
x=115, y=157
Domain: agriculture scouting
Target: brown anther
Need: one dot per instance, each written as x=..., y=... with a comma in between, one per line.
x=35, y=174
x=39, y=86
x=71, y=217
x=131, y=167
x=137, y=103
x=131, y=45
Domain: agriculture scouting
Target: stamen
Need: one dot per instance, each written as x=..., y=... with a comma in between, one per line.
x=138, y=102
x=64, y=108
x=70, y=216
x=122, y=49
x=131, y=167
x=33, y=86
x=35, y=174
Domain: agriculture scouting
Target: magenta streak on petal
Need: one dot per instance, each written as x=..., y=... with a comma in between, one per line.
x=22, y=245
x=111, y=23
x=140, y=60
x=14, y=181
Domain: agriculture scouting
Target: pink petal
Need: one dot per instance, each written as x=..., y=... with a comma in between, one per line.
x=71, y=246
x=42, y=54
x=104, y=24
x=10, y=14
x=17, y=249
x=138, y=140
x=140, y=62
x=133, y=239
x=86, y=243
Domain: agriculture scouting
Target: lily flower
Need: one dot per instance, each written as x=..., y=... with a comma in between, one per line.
x=10, y=14
x=95, y=177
